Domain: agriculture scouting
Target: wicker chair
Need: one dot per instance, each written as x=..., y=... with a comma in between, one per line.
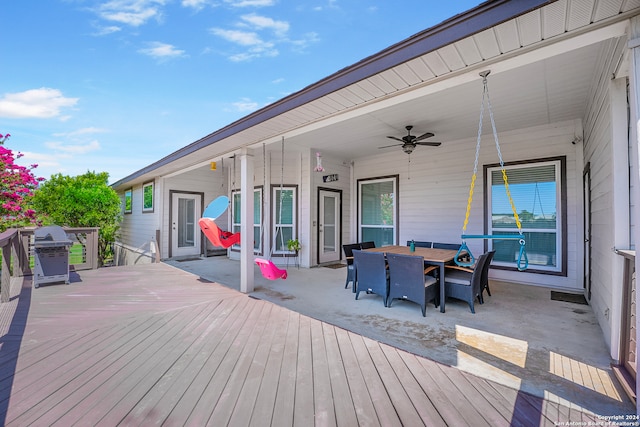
x=351, y=270
x=373, y=278
x=409, y=281
x=465, y=283
x=485, y=277
x=367, y=245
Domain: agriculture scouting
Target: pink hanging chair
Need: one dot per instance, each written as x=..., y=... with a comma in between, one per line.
x=269, y=269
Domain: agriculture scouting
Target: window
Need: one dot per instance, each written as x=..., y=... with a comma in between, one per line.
x=377, y=207
x=147, y=197
x=257, y=217
x=538, y=195
x=128, y=201
x=285, y=219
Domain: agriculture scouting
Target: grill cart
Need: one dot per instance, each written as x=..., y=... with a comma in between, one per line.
x=51, y=255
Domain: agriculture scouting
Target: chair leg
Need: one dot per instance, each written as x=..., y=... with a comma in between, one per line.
x=487, y=288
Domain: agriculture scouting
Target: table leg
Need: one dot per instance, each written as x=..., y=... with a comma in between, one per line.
x=442, y=296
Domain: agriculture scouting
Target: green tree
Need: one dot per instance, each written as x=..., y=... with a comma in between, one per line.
x=81, y=201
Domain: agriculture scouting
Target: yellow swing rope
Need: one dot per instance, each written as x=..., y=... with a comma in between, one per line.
x=485, y=94
x=522, y=261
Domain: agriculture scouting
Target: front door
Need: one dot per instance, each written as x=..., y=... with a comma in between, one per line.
x=329, y=225
x=185, y=233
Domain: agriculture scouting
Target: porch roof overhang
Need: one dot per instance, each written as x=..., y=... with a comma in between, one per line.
x=541, y=55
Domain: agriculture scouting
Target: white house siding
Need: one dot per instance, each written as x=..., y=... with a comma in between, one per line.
x=137, y=230
x=342, y=168
x=434, y=186
x=599, y=153
x=201, y=180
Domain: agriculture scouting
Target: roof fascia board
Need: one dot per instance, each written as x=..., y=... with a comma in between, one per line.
x=486, y=15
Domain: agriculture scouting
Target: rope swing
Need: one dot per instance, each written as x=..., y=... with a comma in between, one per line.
x=522, y=260
x=268, y=269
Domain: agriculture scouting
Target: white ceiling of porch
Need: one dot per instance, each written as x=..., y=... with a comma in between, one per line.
x=543, y=70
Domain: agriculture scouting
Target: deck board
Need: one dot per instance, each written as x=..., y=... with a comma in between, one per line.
x=153, y=345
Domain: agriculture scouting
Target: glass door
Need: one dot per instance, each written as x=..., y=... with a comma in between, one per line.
x=185, y=234
x=329, y=226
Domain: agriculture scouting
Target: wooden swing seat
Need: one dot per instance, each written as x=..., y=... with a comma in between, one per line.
x=216, y=236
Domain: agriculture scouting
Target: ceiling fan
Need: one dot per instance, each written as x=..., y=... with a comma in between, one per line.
x=409, y=141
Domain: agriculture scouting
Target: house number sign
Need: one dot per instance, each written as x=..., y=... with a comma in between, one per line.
x=330, y=178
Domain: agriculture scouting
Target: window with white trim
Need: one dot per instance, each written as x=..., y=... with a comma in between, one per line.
x=537, y=192
x=257, y=217
x=377, y=208
x=285, y=227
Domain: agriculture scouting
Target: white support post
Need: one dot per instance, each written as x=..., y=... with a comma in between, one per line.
x=246, y=222
x=620, y=196
x=634, y=101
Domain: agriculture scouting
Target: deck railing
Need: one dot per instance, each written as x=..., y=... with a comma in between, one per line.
x=9, y=243
x=628, y=356
x=17, y=253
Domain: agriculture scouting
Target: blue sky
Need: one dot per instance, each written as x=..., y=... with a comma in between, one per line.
x=116, y=85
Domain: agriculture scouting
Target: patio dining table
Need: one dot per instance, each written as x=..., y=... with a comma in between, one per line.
x=432, y=256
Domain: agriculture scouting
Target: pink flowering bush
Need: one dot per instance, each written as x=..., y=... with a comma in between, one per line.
x=17, y=184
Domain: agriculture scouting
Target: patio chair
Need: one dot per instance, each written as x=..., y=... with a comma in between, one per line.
x=465, y=283
x=450, y=246
x=485, y=277
x=408, y=281
x=368, y=245
x=420, y=244
x=351, y=270
x=373, y=277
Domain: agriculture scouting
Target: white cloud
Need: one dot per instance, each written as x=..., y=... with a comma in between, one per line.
x=41, y=159
x=261, y=35
x=263, y=22
x=250, y=3
x=244, y=38
x=104, y=31
x=74, y=149
x=162, y=51
x=80, y=132
x=131, y=12
x=194, y=4
x=245, y=105
x=43, y=103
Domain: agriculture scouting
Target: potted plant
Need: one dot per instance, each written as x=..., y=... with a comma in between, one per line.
x=293, y=245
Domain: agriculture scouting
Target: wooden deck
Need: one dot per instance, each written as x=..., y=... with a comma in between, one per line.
x=154, y=345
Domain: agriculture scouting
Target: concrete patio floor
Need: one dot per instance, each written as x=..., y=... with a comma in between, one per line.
x=519, y=337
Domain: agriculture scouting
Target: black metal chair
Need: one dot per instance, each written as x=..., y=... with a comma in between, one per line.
x=408, y=281
x=351, y=270
x=373, y=278
x=367, y=245
x=465, y=283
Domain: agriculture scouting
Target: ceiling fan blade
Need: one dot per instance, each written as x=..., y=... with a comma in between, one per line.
x=430, y=144
x=392, y=145
x=397, y=139
x=423, y=136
